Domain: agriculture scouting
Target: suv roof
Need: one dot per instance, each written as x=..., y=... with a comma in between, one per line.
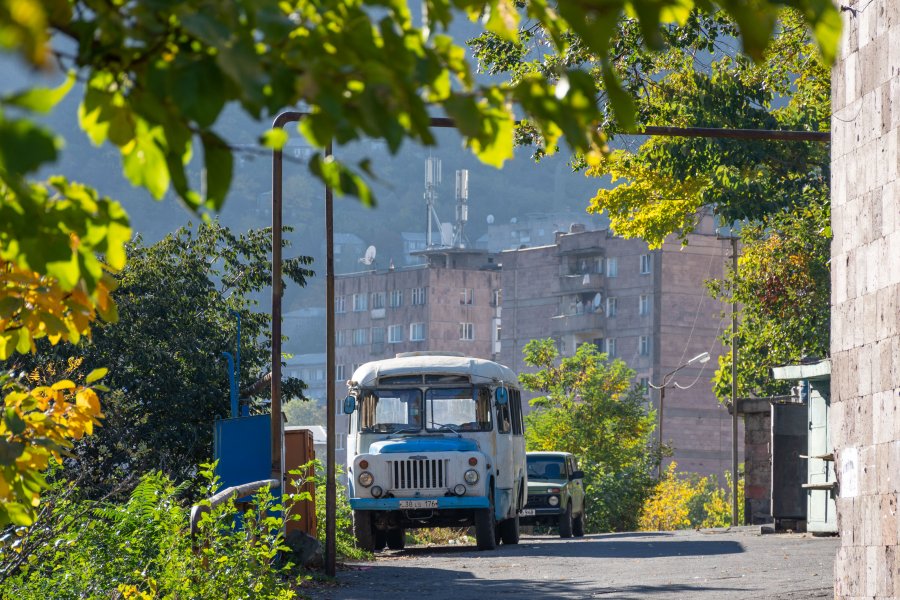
x=548, y=453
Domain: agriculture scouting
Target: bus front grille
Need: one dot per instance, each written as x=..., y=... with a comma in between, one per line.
x=419, y=474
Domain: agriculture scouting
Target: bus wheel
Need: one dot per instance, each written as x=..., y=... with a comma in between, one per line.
x=364, y=530
x=509, y=530
x=396, y=538
x=485, y=527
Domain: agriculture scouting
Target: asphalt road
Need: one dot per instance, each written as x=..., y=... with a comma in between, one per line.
x=685, y=564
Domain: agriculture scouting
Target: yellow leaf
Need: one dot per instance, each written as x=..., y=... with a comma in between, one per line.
x=65, y=384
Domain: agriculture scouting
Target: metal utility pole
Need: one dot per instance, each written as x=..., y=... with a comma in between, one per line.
x=734, y=406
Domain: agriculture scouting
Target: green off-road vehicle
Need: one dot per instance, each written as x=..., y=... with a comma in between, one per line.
x=555, y=493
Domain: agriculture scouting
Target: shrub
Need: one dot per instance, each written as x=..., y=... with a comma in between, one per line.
x=683, y=500
x=141, y=549
x=344, y=540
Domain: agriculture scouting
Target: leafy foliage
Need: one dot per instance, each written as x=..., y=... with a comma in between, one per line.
x=667, y=180
x=139, y=548
x=344, y=540
x=167, y=377
x=593, y=410
x=38, y=424
x=300, y=411
x=783, y=287
x=684, y=500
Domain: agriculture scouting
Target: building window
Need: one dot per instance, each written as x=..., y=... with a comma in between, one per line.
x=356, y=366
x=645, y=264
x=360, y=302
x=644, y=305
x=360, y=337
x=644, y=345
x=339, y=374
x=497, y=297
x=340, y=304
x=395, y=334
x=612, y=307
x=396, y=298
x=611, y=347
x=417, y=332
x=418, y=296
x=612, y=267
x=377, y=335
x=467, y=296
x=341, y=337
x=467, y=331
x=377, y=300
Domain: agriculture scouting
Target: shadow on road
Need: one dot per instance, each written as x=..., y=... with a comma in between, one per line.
x=599, y=546
x=403, y=582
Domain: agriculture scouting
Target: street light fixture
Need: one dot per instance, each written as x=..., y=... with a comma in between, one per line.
x=667, y=379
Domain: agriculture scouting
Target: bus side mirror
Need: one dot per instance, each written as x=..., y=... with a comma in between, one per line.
x=349, y=405
x=502, y=395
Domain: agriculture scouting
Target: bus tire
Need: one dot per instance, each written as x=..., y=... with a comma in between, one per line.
x=486, y=527
x=396, y=538
x=509, y=530
x=565, y=522
x=364, y=530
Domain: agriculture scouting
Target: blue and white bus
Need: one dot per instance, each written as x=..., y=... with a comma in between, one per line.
x=436, y=440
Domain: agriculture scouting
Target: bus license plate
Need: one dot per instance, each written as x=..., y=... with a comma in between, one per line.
x=418, y=504
x=526, y=512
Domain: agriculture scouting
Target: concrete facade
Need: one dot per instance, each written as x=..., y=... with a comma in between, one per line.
x=865, y=277
x=651, y=309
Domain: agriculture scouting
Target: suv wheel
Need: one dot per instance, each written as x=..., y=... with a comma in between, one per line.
x=578, y=525
x=566, y=523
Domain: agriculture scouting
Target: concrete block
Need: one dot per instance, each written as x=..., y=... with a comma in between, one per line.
x=889, y=217
x=867, y=481
x=871, y=586
x=885, y=577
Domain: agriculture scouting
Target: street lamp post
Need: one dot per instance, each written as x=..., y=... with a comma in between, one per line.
x=666, y=380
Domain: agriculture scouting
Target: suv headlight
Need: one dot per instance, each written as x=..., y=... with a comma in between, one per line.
x=553, y=500
x=471, y=476
x=365, y=479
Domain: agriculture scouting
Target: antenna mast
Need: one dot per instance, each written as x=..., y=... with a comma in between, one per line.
x=462, y=209
x=432, y=180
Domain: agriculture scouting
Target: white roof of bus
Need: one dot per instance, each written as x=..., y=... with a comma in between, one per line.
x=478, y=368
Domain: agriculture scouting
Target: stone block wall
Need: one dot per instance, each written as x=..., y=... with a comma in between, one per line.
x=865, y=336
x=757, y=414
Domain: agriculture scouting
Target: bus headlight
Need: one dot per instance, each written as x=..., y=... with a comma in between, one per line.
x=377, y=491
x=553, y=500
x=459, y=489
x=365, y=479
x=471, y=476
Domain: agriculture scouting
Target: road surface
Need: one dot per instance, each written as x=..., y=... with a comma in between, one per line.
x=686, y=564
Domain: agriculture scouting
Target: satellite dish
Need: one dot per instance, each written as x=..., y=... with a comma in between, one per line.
x=369, y=258
x=490, y=219
x=598, y=301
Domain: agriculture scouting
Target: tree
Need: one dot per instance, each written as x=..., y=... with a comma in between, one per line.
x=593, y=410
x=302, y=411
x=783, y=287
x=167, y=379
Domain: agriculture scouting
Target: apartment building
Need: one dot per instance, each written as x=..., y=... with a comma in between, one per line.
x=649, y=308
x=449, y=303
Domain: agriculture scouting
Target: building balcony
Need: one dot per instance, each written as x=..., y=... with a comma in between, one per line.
x=576, y=284
x=575, y=323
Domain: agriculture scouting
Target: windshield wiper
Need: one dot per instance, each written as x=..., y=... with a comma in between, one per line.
x=440, y=427
x=406, y=430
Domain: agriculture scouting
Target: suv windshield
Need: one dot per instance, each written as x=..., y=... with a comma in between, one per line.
x=546, y=467
x=458, y=409
x=390, y=411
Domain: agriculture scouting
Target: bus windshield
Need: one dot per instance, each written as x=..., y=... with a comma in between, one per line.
x=390, y=411
x=458, y=409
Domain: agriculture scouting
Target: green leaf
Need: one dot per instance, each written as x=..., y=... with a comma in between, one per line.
x=144, y=162
x=15, y=425
x=219, y=169
x=274, y=138
x=39, y=99
x=96, y=375
x=10, y=451
x=19, y=514
x=10, y=306
x=25, y=146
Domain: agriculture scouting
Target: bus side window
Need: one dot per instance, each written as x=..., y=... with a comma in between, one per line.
x=515, y=402
x=503, y=419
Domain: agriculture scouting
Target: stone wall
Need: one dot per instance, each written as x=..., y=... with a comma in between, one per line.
x=757, y=415
x=865, y=337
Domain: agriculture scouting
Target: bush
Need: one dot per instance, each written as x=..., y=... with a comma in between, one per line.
x=685, y=500
x=614, y=498
x=141, y=549
x=344, y=540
